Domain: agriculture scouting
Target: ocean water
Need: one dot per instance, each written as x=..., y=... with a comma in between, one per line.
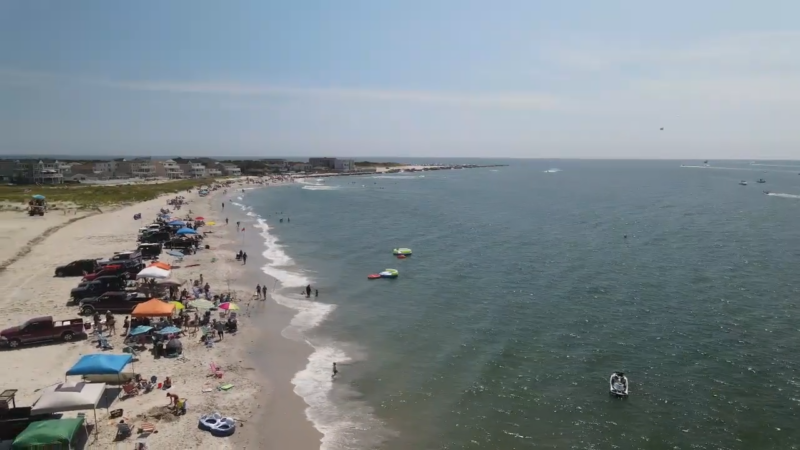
x=523, y=295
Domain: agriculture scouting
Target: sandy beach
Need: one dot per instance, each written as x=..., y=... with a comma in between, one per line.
x=37, y=246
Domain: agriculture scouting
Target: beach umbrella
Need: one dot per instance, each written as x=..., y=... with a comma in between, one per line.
x=229, y=306
x=199, y=218
x=201, y=304
x=178, y=305
x=177, y=222
x=169, y=330
x=39, y=197
x=141, y=329
x=186, y=231
x=175, y=253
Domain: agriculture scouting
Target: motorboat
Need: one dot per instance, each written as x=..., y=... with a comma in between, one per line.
x=761, y=180
x=743, y=183
x=618, y=384
x=766, y=192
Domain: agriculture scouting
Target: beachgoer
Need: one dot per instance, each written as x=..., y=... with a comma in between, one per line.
x=258, y=290
x=316, y=292
x=237, y=224
x=244, y=258
x=335, y=371
x=125, y=325
x=220, y=329
x=223, y=205
x=226, y=221
x=308, y=291
x=173, y=398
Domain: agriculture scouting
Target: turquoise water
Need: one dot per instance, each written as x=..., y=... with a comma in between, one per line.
x=523, y=295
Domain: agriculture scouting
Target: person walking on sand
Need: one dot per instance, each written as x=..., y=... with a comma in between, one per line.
x=335, y=372
x=237, y=224
x=244, y=258
x=226, y=221
x=258, y=291
x=223, y=205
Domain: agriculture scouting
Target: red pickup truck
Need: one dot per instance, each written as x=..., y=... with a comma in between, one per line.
x=42, y=329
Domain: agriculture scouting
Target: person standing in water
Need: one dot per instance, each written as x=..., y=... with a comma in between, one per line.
x=335, y=372
x=308, y=291
x=316, y=292
x=244, y=258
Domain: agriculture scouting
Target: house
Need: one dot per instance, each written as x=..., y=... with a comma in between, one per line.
x=213, y=171
x=39, y=171
x=193, y=170
x=231, y=169
x=322, y=163
x=300, y=167
x=169, y=169
x=105, y=166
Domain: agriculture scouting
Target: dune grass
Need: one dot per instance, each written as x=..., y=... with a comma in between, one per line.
x=89, y=196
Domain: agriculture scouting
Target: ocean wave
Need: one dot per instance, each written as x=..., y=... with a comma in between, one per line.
x=782, y=195
x=399, y=177
x=552, y=171
x=313, y=383
x=317, y=187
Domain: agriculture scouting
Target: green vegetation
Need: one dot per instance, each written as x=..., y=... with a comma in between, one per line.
x=88, y=196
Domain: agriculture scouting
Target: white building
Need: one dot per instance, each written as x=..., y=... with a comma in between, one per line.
x=169, y=169
x=143, y=168
x=344, y=165
x=231, y=170
x=194, y=170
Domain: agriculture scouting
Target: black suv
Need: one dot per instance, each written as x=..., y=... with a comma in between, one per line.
x=118, y=302
x=97, y=287
x=77, y=268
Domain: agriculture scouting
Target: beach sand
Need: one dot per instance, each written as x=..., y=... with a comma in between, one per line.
x=31, y=290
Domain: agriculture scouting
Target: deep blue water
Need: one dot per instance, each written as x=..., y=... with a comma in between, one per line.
x=523, y=295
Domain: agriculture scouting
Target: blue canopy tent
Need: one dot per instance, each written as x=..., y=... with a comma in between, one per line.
x=186, y=231
x=177, y=223
x=100, y=364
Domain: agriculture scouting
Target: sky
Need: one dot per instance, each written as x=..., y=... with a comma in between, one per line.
x=411, y=78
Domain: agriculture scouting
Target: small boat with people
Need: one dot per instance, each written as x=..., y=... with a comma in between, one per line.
x=743, y=183
x=618, y=384
x=761, y=180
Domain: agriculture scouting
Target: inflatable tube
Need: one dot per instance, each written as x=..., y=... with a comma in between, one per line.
x=373, y=276
x=225, y=428
x=402, y=251
x=389, y=273
x=401, y=256
x=209, y=421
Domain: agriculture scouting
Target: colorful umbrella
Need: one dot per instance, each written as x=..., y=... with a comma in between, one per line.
x=178, y=305
x=39, y=197
x=169, y=330
x=229, y=306
x=186, y=231
x=177, y=222
x=199, y=218
x=201, y=304
x=142, y=329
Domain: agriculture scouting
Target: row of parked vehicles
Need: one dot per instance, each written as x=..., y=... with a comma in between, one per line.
x=105, y=286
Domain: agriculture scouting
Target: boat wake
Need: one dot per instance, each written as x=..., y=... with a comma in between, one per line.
x=779, y=194
x=552, y=171
x=317, y=187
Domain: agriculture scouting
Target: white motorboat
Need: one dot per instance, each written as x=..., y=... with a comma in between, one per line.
x=618, y=384
x=743, y=183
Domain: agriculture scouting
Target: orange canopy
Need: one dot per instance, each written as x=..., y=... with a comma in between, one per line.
x=161, y=265
x=153, y=308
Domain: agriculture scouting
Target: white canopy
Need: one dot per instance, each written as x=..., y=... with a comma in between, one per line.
x=153, y=272
x=69, y=396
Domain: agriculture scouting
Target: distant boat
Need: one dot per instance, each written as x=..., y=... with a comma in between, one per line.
x=618, y=384
x=743, y=183
x=761, y=180
x=705, y=162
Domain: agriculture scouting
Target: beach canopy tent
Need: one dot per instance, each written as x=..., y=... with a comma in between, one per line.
x=161, y=265
x=58, y=433
x=177, y=223
x=68, y=396
x=100, y=364
x=153, y=272
x=153, y=308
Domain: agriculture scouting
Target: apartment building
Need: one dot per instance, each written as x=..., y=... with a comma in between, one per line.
x=231, y=170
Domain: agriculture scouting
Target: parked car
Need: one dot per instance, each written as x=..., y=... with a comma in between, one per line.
x=129, y=269
x=179, y=243
x=122, y=256
x=96, y=288
x=118, y=302
x=150, y=250
x=77, y=268
x=155, y=237
x=42, y=329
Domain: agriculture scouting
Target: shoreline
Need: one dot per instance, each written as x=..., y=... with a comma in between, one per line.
x=281, y=415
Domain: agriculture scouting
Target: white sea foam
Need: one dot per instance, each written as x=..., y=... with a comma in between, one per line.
x=552, y=170
x=398, y=177
x=316, y=187
x=313, y=383
x=779, y=194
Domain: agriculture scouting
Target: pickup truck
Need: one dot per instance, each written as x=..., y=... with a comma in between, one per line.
x=118, y=302
x=42, y=329
x=76, y=268
x=131, y=269
x=122, y=256
x=97, y=287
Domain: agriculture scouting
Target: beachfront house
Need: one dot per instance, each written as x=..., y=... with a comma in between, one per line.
x=344, y=165
x=231, y=170
x=193, y=170
x=42, y=171
x=301, y=167
x=213, y=171
x=169, y=169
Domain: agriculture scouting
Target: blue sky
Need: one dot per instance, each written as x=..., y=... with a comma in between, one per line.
x=589, y=79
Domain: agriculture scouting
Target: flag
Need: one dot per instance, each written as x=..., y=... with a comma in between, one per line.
x=242, y=229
